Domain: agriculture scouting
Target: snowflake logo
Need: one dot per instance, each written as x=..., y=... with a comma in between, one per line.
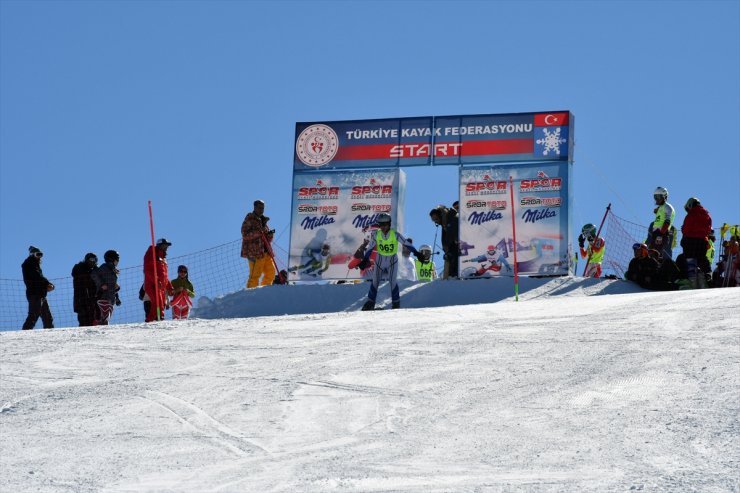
x=551, y=141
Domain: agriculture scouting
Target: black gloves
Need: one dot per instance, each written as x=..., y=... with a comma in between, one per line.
x=581, y=240
x=364, y=264
x=118, y=301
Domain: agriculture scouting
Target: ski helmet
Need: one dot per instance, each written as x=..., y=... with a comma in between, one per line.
x=325, y=247
x=91, y=257
x=589, y=231
x=691, y=203
x=425, y=251
x=491, y=249
x=660, y=192
x=111, y=256
x=383, y=218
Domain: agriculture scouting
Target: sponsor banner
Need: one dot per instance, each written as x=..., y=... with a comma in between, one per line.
x=338, y=209
x=542, y=215
x=452, y=140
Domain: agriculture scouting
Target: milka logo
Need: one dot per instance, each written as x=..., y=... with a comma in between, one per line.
x=483, y=217
x=312, y=222
x=363, y=221
x=532, y=216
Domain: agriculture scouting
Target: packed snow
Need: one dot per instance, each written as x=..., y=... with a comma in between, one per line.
x=582, y=385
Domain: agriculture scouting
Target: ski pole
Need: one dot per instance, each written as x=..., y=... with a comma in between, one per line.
x=272, y=256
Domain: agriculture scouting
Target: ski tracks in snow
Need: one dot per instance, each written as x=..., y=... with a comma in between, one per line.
x=204, y=424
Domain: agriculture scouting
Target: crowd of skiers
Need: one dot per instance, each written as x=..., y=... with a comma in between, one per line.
x=652, y=265
x=96, y=288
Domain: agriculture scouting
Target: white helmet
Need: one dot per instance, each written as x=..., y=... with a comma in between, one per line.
x=426, y=252
x=661, y=192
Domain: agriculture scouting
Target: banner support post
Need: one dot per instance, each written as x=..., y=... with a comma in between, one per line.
x=154, y=263
x=513, y=228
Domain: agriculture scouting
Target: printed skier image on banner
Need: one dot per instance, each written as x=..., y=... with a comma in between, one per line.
x=451, y=140
x=542, y=220
x=333, y=214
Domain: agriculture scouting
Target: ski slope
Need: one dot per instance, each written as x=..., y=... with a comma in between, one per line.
x=583, y=385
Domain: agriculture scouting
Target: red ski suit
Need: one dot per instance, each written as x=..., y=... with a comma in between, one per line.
x=164, y=286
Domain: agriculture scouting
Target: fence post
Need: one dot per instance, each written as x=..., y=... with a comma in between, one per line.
x=154, y=263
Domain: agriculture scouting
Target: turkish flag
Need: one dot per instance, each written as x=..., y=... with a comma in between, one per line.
x=550, y=119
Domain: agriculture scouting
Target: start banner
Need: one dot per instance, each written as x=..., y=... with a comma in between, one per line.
x=443, y=140
x=333, y=213
x=541, y=208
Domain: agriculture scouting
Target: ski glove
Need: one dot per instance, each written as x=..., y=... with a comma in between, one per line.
x=581, y=241
x=364, y=264
x=118, y=300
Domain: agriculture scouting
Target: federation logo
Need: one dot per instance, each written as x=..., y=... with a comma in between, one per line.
x=317, y=145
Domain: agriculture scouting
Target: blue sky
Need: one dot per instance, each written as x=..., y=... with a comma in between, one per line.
x=105, y=105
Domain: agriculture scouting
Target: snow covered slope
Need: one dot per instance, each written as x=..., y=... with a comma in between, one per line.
x=562, y=391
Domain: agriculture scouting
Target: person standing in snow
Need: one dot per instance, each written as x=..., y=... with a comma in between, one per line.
x=661, y=231
x=386, y=241
x=406, y=266
x=183, y=292
x=595, y=250
x=85, y=301
x=426, y=271
x=106, y=281
x=254, y=235
x=37, y=287
x=696, y=228
x=448, y=220
x=158, y=292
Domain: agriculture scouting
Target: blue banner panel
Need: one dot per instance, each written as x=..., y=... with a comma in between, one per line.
x=444, y=140
x=363, y=144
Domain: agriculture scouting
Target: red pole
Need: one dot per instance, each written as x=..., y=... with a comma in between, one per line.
x=154, y=263
x=598, y=235
x=513, y=228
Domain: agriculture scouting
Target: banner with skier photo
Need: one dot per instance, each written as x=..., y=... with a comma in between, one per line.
x=333, y=214
x=541, y=206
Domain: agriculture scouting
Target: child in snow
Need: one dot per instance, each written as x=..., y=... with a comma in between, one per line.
x=183, y=291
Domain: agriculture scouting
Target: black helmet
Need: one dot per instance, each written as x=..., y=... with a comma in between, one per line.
x=383, y=218
x=91, y=257
x=111, y=256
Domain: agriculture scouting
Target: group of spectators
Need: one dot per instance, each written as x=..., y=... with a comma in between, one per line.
x=96, y=288
x=653, y=266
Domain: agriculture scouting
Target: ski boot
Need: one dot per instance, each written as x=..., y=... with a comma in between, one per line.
x=368, y=306
x=396, y=304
